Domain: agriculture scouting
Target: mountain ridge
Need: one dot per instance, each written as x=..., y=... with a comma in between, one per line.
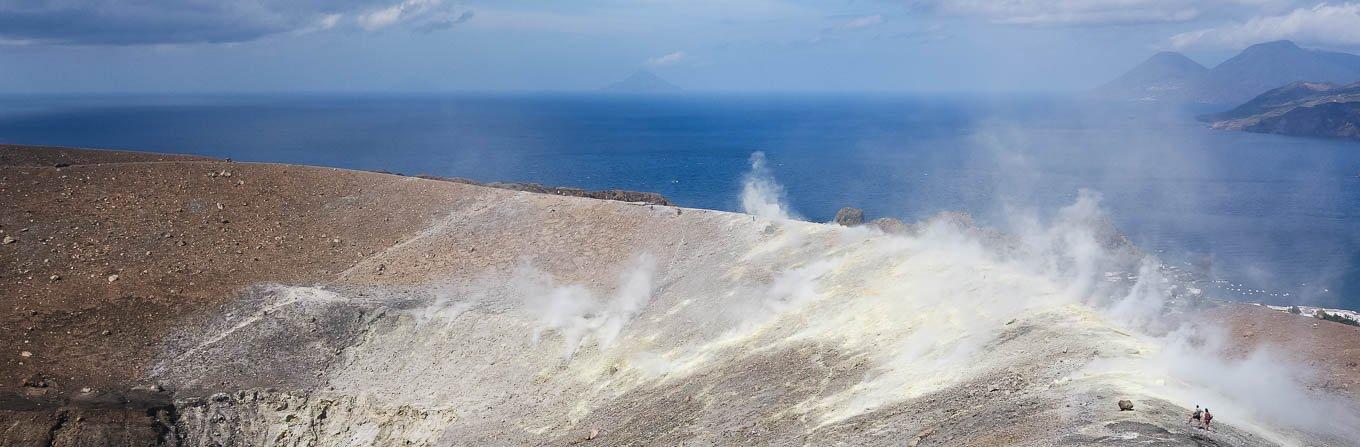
x=1167, y=77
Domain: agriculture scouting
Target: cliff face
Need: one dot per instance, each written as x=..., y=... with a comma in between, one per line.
x=328, y=307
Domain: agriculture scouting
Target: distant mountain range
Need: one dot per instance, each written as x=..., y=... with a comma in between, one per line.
x=1172, y=77
x=643, y=81
x=1300, y=108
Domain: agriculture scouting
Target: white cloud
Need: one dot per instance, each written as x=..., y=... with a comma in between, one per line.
x=1325, y=24
x=862, y=22
x=421, y=14
x=162, y=22
x=668, y=59
x=381, y=18
x=329, y=21
x=1070, y=12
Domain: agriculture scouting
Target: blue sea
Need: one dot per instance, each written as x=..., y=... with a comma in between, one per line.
x=1276, y=219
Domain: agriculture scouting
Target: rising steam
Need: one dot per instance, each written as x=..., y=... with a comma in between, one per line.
x=1077, y=257
x=761, y=195
x=580, y=315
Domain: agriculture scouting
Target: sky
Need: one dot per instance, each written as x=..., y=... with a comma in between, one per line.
x=211, y=46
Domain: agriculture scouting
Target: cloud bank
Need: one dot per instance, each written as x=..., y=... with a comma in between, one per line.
x=1062, y=12
x=138, y=22
x=1324, y=24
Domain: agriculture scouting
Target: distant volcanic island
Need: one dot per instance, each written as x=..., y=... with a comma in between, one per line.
x=1278, y=87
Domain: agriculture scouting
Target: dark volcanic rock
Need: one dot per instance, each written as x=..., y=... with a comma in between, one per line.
x=850, y=216
x=1126, y=405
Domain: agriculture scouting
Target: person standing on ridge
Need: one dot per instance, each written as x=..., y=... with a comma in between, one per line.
x=1195, y=417
x=1208, y=417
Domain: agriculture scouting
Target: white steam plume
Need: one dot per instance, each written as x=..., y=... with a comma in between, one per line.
x=1081, y=250
x=760, y=194
x=579, y=314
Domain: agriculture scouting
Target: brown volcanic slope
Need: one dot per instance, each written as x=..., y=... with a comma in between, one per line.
x=112, y=250
x=115, y=253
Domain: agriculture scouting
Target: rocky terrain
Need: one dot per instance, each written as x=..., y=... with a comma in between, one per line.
x=154, y=299
x=1300, y=108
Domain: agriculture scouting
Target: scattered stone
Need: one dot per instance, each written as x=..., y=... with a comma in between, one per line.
x=594, y=433
x=25, y=354
x=113, y=278
x=37, y=381
x=151, y=388
x=54, y=277
x=921, y=437
x=1125, y=405
x=105, y=332
x=10, y=240
x=850, y=217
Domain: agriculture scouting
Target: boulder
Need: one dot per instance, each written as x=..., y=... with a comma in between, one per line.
x=850, y=216
x=890, y=225
x=1125, y=405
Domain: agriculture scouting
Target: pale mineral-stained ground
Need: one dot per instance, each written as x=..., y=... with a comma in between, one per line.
x=153, y=299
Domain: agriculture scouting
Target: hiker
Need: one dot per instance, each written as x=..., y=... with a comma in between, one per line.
x=1195, y=417
x=1207, y=417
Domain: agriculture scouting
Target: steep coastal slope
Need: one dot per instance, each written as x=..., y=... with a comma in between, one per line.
x=202, y=302
x=1171, y=77
x=1301, y=108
